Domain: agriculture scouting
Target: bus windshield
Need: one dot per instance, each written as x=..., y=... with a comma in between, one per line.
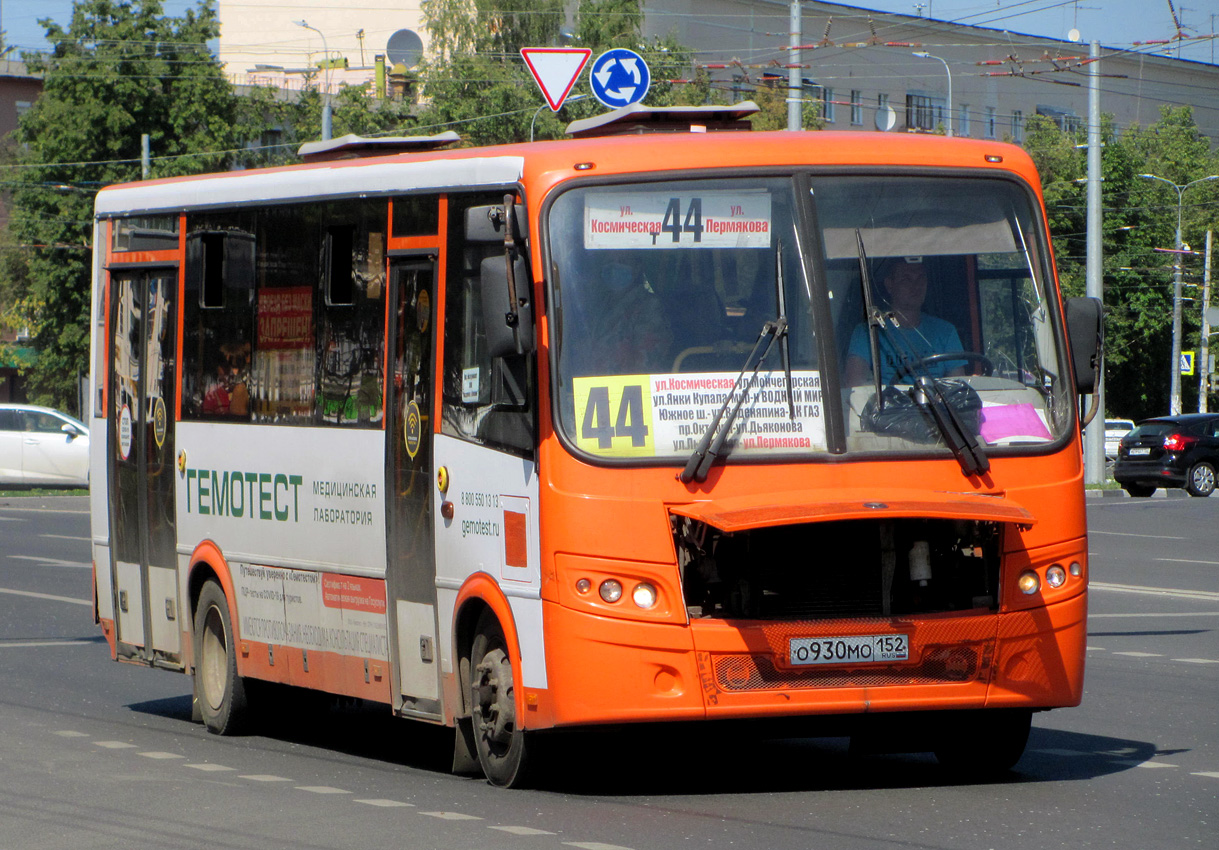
x=662, y=291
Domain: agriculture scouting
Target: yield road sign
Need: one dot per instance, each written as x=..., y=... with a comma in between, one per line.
x=555, y=70
x=620, y=77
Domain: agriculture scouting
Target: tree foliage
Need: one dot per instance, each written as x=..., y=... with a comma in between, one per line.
x=1139, y=222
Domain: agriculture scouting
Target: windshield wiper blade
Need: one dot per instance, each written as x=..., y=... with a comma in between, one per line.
x=784, y=353
x=713, y=439
x=875, y=320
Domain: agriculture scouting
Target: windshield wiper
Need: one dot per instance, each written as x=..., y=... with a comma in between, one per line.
x=926, y=392
x=781, y=304
x=712, y=442
x=874, y=318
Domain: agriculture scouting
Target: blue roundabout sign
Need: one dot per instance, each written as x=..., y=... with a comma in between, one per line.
x=620, y=77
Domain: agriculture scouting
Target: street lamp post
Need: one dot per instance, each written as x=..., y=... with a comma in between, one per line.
x=922, y=54
x=325, y=80
x=1174, y=400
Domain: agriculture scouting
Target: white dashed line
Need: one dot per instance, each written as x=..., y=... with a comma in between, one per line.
x=65, y=537
x=265, y=777
x=594, y=845
x=68, y=733
x=521, y=830
x=52, y=597
x=1149, y=764
x=209, y=768
x=450, y=816
x=1209, y=774
x=114, y=745
x=1096, y=649
x=1140, y=654
x=321, y=789
x=387, y=804
x=157, y=755
x=1197, y=660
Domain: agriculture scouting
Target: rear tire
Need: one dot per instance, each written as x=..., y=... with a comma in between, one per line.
x=498, y=738
x=1201, y=481
x=984, y=744
x=221, y=692
x=1139, y=491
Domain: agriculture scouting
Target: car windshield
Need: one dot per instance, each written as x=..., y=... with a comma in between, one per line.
x=662, y=290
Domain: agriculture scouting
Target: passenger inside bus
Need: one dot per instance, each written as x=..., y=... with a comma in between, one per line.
x=630, y=331
x=909, y=334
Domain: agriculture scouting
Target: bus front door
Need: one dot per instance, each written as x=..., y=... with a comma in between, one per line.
x=411, y=562
x=140, y=460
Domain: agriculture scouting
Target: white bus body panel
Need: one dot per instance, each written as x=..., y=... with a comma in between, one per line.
x=485, y=487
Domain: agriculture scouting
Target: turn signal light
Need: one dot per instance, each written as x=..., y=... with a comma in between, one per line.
x=1029, y=583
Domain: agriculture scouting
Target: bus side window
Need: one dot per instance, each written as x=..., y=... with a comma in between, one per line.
x=486, y=400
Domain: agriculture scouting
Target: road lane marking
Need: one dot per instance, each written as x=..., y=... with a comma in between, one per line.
x=52, y=562
x=1092, y=616
x=1209, y=774
x=114, y=745
x=159, y=755
x=1206, y=595
x=1186, y=561
x=209, y=767
x=1197, y=660
x=49, y=596
x=450, y=816
x=321, y=789
x=265, y=777
x=31, y=644
x=594, y=845
x=389, y=804
x=1141, y=654
x=66, y=537
x=68, y=733
x=1129, y=534
x=521, y=830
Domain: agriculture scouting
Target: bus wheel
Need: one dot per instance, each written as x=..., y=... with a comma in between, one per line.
x=222, y=697
x=984, y=744
x=498, y=738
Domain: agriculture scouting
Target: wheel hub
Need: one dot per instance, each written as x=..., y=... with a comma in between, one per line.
x=494, y=698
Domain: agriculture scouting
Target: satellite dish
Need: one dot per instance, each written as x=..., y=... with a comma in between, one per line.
x=1073, y=35
x=404, y=47
x=886, y=118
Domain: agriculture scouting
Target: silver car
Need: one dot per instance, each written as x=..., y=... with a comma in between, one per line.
x=41, y=447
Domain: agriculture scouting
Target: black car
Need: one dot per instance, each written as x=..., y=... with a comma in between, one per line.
x=1170, y=451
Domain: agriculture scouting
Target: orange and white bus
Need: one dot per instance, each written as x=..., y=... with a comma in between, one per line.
x=565, y=434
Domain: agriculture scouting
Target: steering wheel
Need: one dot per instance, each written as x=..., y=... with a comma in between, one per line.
x=988, y=367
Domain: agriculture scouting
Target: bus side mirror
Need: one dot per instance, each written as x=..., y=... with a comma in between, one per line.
x=1086, y=335
x=509, y=327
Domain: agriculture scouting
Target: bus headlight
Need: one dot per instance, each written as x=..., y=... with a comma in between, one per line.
x=1055, y=576
x=1028, y=582
x=610, y=590
x=644, y=595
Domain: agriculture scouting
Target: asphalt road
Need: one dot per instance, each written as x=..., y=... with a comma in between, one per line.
x=95, y=754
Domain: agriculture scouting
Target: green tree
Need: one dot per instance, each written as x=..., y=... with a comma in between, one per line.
x=119, y=70
x=1139, y=217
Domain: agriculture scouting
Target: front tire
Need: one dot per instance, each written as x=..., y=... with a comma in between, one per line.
x=498, y=738
x=221, y=692
x=1201, y=481
x=984, y=744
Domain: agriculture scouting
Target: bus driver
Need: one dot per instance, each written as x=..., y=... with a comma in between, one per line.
x=915, y=333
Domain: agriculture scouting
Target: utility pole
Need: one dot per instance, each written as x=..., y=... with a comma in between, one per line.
x=795, y=76
x=1094, y=436
x=1204, y=383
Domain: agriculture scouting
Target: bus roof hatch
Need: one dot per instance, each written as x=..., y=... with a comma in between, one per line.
x=636, y=119
x=352, y=146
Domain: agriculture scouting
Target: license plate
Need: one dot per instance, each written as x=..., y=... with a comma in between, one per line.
x=856, y=649
x=1134, y=452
